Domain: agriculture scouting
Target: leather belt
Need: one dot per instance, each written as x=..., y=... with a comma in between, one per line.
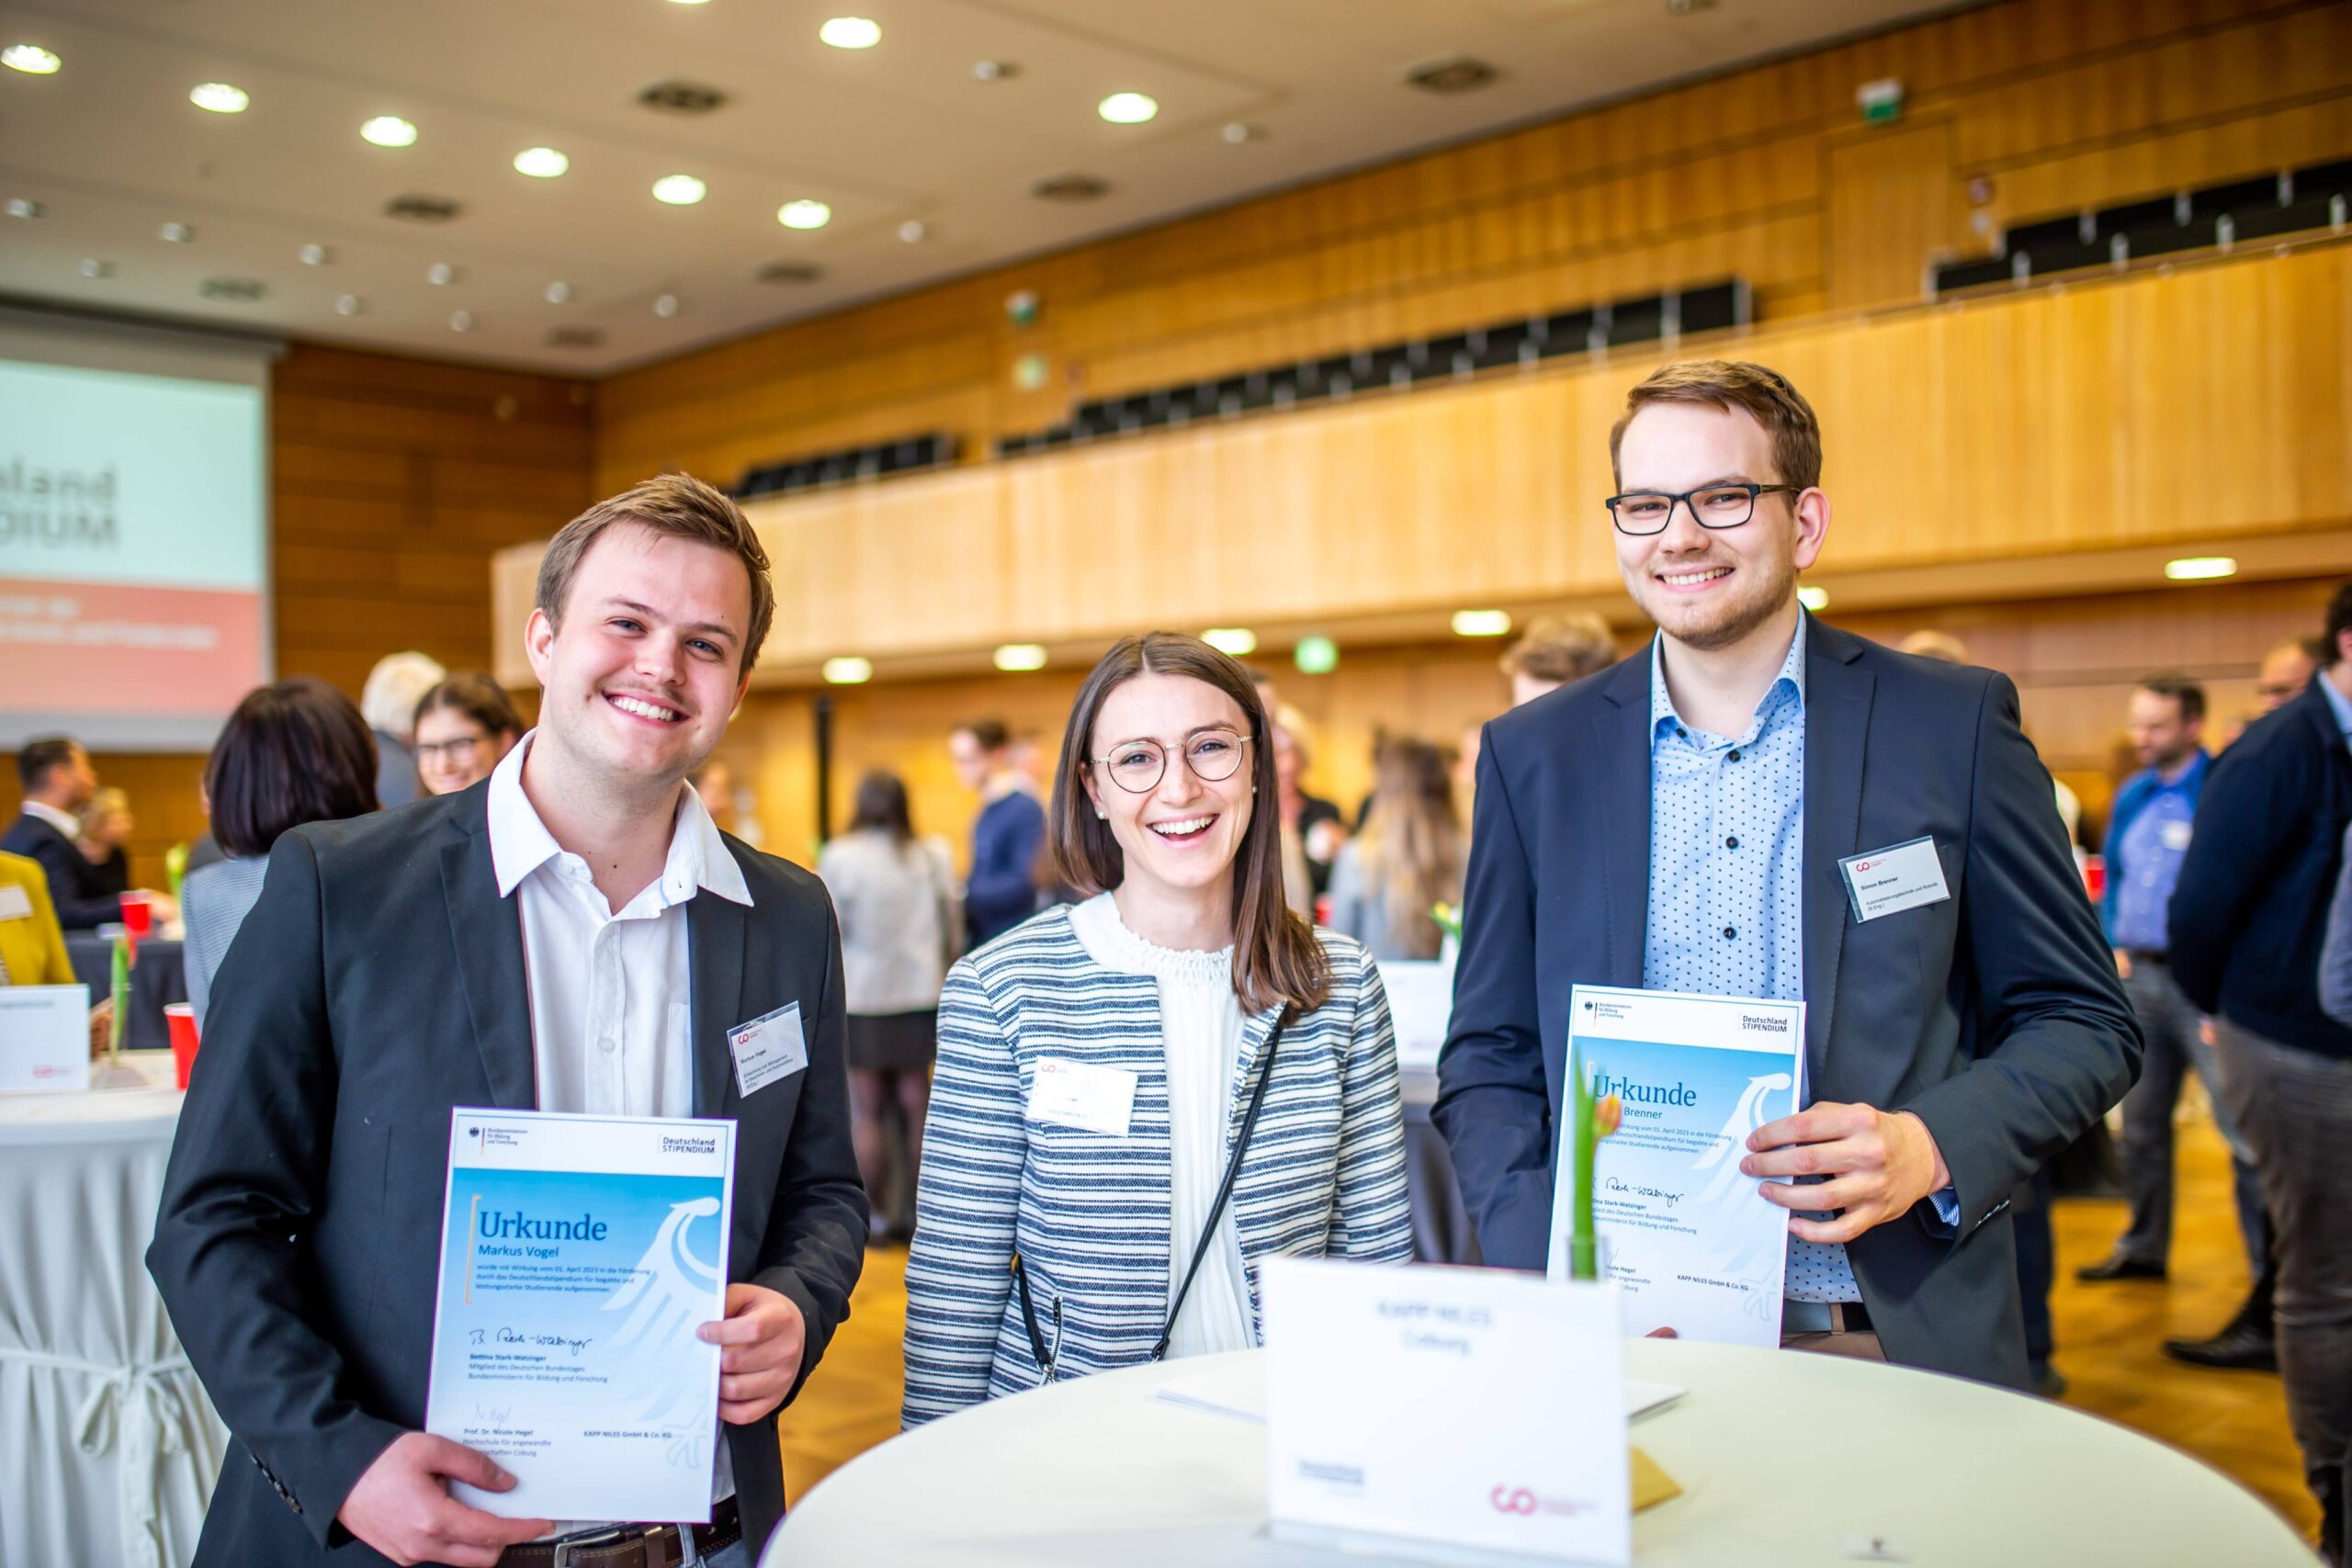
x=629, y=1546
x=1823, y=1317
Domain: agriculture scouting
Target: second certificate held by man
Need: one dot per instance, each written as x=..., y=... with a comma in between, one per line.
x=1691, y=1243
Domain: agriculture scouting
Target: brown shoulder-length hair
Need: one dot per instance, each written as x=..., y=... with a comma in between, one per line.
x=1276, y=958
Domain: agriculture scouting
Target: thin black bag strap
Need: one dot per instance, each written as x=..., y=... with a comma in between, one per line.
x=1224, y=1188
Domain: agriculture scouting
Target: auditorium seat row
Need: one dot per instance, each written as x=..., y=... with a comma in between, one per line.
x=905, y=455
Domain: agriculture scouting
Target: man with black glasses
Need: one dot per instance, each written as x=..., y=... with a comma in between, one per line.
x=1685, y=821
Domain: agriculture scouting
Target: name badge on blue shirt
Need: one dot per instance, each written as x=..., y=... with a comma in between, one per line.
x=1888, y=881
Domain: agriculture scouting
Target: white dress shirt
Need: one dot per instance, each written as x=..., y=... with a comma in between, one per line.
x=1200, y=1028
x=64, y=822
x=611, y=995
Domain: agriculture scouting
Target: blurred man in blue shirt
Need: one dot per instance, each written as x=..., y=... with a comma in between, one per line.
x=2147, y=838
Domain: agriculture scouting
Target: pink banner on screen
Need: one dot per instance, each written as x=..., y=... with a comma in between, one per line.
x=120, y=649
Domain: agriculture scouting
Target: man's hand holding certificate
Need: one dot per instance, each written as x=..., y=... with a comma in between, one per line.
x=1879, y=1164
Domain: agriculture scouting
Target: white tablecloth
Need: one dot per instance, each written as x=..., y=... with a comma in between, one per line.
x=1782, y=1457
x=108, y=1447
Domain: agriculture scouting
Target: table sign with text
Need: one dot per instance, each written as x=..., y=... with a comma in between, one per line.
x=44, y=1039
x=579, y=1253
x=1693, y=1244
x=1458, y=1415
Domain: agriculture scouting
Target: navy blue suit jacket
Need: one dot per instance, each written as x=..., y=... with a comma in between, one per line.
x=1996, y=1016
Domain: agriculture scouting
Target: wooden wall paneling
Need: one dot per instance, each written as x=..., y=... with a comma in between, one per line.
x=1892, y=205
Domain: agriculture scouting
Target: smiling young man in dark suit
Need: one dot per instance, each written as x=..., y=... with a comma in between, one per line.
x=572, y=935
x=1677, y=822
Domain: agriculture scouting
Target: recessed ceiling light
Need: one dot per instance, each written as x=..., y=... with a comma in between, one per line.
x=559, y=293
x=679, y=190
x=540, y=162
x=388, y=130
x=994, y=70
x=665, y=306
x=1481, y=623
x=175, y=234
x=1015, y=657
x=94, y=267
x=31, y=59
x=804, y=214
x=849, y=671
x=2202, y=569
x=1814, y=599
x=1315, y=656
x=461, y=321
x=851, y=32
x=1238, y=131
x=440, y=273
x=687, y=2
x=1239, y=641
x=314, y=256
x=1127, y=108
x=914, y=231
x=24, y=206
x=350, y=305
x=218, y=96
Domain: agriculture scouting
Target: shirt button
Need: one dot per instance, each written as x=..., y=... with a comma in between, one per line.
x=609, y=1043
x=1734, y=756
x=1731, y=842
x=1729, y=933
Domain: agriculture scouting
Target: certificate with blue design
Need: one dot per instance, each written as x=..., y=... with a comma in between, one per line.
x=579, y=1253
x=1691, y=1243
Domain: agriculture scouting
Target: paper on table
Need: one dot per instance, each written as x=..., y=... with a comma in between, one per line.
x=579, y=1253
x=1222, y=1393
x=44, y=1039
x=1420, y=1008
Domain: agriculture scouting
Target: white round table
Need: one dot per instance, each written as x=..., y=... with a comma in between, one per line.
x=111, y=1445
x=1782, y=1457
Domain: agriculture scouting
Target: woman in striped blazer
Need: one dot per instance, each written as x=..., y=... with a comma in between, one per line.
x=1099, y=1063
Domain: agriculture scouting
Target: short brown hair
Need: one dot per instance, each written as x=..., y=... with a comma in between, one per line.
x=1562, y=649
x=1276, y=956
x=677, y=506
x=1726, y=384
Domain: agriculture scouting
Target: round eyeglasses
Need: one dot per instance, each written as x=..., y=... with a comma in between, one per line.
x=1643, y=513
x=1137, y=766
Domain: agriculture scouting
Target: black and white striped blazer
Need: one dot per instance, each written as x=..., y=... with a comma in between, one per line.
x=1088, y=1212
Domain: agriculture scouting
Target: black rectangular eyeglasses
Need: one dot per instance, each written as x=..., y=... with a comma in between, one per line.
x=1711, y=506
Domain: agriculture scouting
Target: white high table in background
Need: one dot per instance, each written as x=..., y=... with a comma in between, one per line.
x=1782, y=1456
x=108, y=1447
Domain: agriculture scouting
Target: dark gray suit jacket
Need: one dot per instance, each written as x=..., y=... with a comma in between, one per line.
x=1996, y=1016
x=378, y=984
x=76, y=887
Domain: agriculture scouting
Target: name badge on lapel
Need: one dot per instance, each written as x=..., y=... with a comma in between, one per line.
x=767, y=1048
x=1899, y=877
x=1071, y=1094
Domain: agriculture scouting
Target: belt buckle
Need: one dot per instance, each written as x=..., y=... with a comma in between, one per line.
x=593, y=1541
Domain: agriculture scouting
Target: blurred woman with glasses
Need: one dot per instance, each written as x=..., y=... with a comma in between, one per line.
x=1141, y=1097
x=463, y=727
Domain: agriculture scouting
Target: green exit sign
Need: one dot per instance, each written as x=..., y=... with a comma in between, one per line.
x=1881, y=101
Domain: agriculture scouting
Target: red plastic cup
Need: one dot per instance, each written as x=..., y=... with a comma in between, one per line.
x=138, y=915
x=180, y=1018
x=2094, y=876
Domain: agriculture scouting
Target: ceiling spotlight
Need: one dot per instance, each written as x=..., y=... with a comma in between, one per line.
x=559, y=293
x=440, y=274
x=1016, y=657
x=1239, y=641
x=31, y=59
x=679, y=190
x=540, y=162
x=1238, y=131
x=1481, y=623
x=24, y=206
x=94, y=267
x=218, y=96
x=849, y=671
x=994, y=70
x=349, y=305
x=1814, y=599
x=1127, y=108
x=461, y=321
x=175, y=234
x=2202, y=569
x=665, y=306
x=804, y=214
x=851, y=32
x=314, y=256
x=388, y=130
x=914, y=231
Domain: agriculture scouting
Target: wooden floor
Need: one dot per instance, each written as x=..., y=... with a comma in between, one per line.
x=2106, y=1335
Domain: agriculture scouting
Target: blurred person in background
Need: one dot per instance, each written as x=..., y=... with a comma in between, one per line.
x=1410, y=856
x=33, y=944
x=463, y=727
x=895, y=896
x=1555, y=650
x=59, y=785
x=294, y=751
x=1007, y=836
x=714, y=785
x=388, y=701
x=107, y=826
x=1312, y=828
